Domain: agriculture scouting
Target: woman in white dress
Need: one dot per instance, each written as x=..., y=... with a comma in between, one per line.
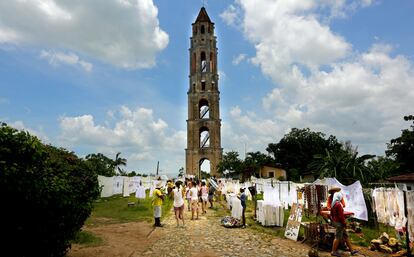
x=179, y=194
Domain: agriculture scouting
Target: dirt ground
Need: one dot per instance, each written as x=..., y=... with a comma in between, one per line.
x=126, y=239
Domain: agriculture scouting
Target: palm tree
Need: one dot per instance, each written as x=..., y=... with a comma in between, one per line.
x=343, y=164
x=119, y=162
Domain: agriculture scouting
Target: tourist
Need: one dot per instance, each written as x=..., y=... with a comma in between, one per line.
x=331, y=192
x=157, y=200
x=204, y=196
x=211, y=191
x=187, y=193
x=170, y=187
x=178, y=193
x=220, y=189
x=194, y=200
x=338, y=221
x=243, y=199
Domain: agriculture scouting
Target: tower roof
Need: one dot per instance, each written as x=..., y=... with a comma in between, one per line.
x=203, y=16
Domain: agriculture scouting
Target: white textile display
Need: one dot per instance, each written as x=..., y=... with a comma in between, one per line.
x=106, y=183
x=353, y=196
x=118, y=185
x=140, y=192
x=389, y=206
x=269, y=215
x=410, y=214
x=236, y=208
x=125, y=190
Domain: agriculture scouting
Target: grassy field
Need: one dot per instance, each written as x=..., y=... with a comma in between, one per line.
x=115, y=209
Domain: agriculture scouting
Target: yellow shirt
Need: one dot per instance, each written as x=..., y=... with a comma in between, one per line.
x=156, y=200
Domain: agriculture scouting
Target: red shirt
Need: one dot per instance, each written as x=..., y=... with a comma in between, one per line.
x=337, y=213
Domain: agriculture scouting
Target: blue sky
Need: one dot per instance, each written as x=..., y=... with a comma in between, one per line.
x=112, y=76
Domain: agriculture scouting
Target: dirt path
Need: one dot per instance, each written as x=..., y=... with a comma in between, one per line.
x=126, y=239
x=202, y=238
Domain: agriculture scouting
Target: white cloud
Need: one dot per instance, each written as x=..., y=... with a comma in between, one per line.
x=35, y=132
x=231, y=16
x=321, y=82
x=238, y=59
x=136, y=133
x=123, y=33
x=8, y=35
x=55, y=58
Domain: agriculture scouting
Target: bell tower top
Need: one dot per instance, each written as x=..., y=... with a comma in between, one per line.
x=203, y=16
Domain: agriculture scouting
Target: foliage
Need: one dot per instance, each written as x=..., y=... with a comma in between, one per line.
x=181, y=172
x=343, y=164
x=230, y=162
x=102, y=164
x=295, y=151
x=382, y=168
x=255, y=160
x=402, y=148
x=118, y=162
x=46, y=193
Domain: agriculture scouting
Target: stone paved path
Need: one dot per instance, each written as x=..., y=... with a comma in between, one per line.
x=206, y=237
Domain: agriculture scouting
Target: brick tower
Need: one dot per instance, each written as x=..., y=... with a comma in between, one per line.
x=204, y=123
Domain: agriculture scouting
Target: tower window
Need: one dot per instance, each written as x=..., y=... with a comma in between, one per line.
x=204, y=109
x=203, y=62
x=203, y=85
x=202, y=29
x=204, y=137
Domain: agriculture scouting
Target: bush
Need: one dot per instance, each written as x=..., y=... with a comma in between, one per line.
x=46, y=193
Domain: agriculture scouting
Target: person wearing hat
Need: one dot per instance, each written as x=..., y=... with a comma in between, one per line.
x=338, y=221
x=331, y=192
x=157, y=199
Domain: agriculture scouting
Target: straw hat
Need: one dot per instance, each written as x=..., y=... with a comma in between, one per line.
x=334, y=190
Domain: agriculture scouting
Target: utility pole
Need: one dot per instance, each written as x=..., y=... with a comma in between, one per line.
x=158, y=166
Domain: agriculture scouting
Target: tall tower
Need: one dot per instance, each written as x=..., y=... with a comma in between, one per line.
x=204, y=123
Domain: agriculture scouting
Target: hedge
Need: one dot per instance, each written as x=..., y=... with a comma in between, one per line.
x=46, y=195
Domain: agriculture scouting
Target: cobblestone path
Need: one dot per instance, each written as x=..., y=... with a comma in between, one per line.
x=206, y=237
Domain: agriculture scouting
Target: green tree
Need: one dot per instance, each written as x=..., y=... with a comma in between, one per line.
x=118, y=162
x=402, y=148
x=46, y=194
x=181, y=172
x=296, y=150
x=102, y=164
x=254, y=161
x=344, y=164
x=382, y=168
x=230, y=162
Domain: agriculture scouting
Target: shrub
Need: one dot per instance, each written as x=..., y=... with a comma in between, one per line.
x=46, y=193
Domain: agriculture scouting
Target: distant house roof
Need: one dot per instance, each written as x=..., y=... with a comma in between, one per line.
x=402, y=178
x=273, y=165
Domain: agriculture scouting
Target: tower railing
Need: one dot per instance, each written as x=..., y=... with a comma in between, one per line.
x=204, y=112
x=204, y=141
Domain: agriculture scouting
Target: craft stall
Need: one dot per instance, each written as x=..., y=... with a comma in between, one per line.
x=316, y=203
